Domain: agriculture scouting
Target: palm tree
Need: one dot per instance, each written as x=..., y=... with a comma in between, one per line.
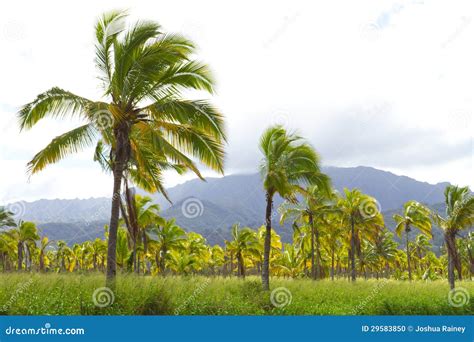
x=459, y=216
x=139, y=213
x=143, y=73
x=168, y=237
x=317, y=203
x=360, y=213
x=6, y=218
x=288, y=162
x=44, y=243
x=25, y=232
x=415, y=215
x=243, y=241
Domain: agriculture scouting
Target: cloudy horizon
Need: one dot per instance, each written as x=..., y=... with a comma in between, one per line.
x=386, y=85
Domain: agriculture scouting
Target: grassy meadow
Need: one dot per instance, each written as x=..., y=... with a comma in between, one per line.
x=72, y=294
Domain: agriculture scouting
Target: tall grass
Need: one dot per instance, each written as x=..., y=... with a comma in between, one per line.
x=71, y=294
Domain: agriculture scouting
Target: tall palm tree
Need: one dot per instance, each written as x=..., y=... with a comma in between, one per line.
x=459, y=216
x=244, y=240
x=143, y=73
x=414, y=215
x=360, y=213
x=288, y=162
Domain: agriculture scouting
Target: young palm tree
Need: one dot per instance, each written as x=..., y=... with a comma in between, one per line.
x=143, y=73
x=361, y=214
x=415, y=215
x=45, y=242
x=169, y=236
x=317, y=203
x=139, y=213
x=288, y=162
x=244, y=241
x=25, y=232
x=6, y=218
x=459, y=216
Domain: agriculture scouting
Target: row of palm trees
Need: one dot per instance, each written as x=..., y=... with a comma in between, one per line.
x=325, y=245
x=142, y=126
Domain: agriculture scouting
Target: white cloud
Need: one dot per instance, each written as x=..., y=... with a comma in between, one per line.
x=319, y=67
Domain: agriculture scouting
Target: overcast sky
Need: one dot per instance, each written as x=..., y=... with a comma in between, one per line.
x=377, y=83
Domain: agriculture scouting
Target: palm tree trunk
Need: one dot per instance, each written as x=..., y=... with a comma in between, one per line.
x=267, y=243
x=164, y=251
x=332, y=264
x=313, y=269
x=449, y=237
x=20, y=255
x=114, y=221
x=318, y=254
x=122, y=156
x=408, y=254
x=352, y=251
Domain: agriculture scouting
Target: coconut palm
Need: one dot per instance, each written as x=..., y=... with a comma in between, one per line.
x=168, y=237
x=361, y=214
x=139, y=213
x=143, y=73
x=317, y=203
x=459, y=216
x=288, y=162
x=414, y=215
x=244, y=241
x=44, y=243
x=6, y=218
x=24, y=232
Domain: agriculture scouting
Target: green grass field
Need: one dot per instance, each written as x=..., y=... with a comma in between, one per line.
x=72, y=294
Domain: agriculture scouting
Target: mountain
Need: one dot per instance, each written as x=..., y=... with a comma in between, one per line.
x=211, y=207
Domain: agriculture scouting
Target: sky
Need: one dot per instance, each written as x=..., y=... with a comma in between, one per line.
x=376, y=83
